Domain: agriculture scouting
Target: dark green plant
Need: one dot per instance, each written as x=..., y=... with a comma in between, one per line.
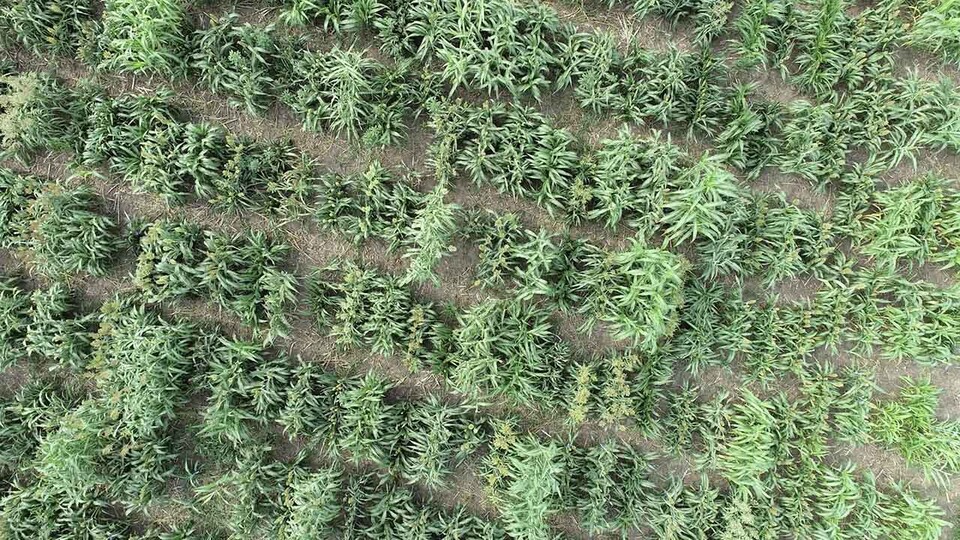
x=525, y=477
x=244, y=61
x=508, y=347
x=65, y=232
x=636, y=292
x=15, y=306
x=431, y=232
x=351, y=94
x=58, y=332
x=44, y=26
x=499, y=46
x=370, y=204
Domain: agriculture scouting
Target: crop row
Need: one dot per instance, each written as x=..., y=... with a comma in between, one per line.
x=63, y=233
x=711, y=327
x=508, y=347
x=645, y=182
x=530, y=478
x=497, y=347
x=443, y=46
x=146, y=142
x=142, y=140
x=505, y=347
x=534, y=52
x=67, y=458
x=821, y=45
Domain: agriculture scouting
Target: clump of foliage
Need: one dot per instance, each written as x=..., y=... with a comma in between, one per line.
x=628, y=180
x=909, y=425
x=242, y=273
x=525, y=478
x=66, y=234
x=636, y=292
x=25, y=421
x=453, y=38
x=701, y=203
x=58, y=331
x=511, y=148
x=328, y=501
x=44, y=26
x=246, y=62
x=749, y=452
x=247, y=387
x=44, y=325
x=937, y=28
x=15, y=314
x=144, y=37
x=902, y=318
x=351, y=94
x=431, y=232
x=141, y=366
x=37, y=113
x=530, y=264
x=335, y=15
x=709, y=18
x=119, y=126
x=621, y=387
x=363, y=307
x=610, y=486
x=822, y=48
x=508, y=347
x=59, y=228
x=145, y=139
x=370, y=204
x=111, y=447
x=916, y=222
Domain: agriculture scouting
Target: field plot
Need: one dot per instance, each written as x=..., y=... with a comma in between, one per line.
x=479, y=269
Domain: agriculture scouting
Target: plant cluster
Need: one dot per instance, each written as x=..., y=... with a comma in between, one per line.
x=373, y=203
x=937, y=28
x=910, y=425
x=870, y=313
x=241, y=273
x=45, y=327
x=45, y=26
x=110, y=446
x=25, y=420
x=495, y=47
x=253, y=492
x=891, y=118
x=15, y=313
x=610, y=487
x=823, y=48
x=144, y=37
x=352, y=94
x=114, y=445
x=37, y=113
x=645, y=182
x=145, y=140
x=250, y=389
x=916, y=222
x=244, y=61
x=499, y=347
x=60, y=228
